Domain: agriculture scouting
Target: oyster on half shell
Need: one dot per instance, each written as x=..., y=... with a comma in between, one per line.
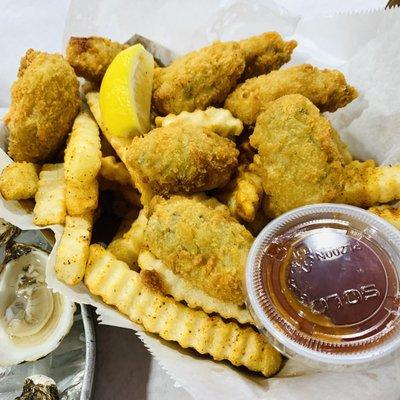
x=33, y=319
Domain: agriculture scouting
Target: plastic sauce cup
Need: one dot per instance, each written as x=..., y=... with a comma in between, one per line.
x=323, y=285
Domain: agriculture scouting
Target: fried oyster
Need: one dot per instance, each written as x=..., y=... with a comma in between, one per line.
x=205, y=245
x=180, y=159
x=265, y=53
x=44, y=102
x=205, y=77
x=327, y=89
x=298, y=158
x=91, y=56
x=199, y=79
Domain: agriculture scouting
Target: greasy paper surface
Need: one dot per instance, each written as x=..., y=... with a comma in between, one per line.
x=366, y=48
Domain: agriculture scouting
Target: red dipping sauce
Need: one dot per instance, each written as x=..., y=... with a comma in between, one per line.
x=323, y=285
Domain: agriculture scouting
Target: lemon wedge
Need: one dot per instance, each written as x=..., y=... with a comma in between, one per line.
x=125, y=93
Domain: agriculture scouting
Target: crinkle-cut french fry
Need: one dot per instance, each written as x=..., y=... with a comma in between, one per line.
x=123, y=288
x=19, y=181
x=389, y=213
x=127, y=247
x=73, y=250
x=119, y=144
x=180, y=289
x=92, y=98
x=83, y=155
x=243, y=195
x=50, y=205
x=367, y=184
x=82, y=199
x=218, y=120
x=82, y=164
x=114, y=171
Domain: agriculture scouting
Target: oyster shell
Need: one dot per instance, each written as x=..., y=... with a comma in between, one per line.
x=33, y=319
x=39, y=387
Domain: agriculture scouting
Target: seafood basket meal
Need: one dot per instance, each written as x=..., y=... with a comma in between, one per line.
x=162, y=175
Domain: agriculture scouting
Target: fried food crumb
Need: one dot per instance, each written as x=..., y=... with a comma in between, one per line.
x=19, y=181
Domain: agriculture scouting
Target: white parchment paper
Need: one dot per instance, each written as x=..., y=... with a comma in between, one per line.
x=366, y=48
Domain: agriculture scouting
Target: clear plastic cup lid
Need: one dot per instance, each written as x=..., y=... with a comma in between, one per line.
x=323, y=284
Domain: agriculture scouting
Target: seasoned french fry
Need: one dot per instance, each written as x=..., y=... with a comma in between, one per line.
x=82, y=164
x=82, y=155
x=123, y=288
x=127, y=247
x=119, y=144
x=73, y=250
x=243, y=195
x=218, y=120
x=50, y=207
x=19, y=181
x=92, y=98
x=367, y=184
x=180, y=289
x=80, y=199
x=389, y=213
x=114, y=171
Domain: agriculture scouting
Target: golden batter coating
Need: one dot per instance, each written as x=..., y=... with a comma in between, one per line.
x=243, y=194
x=180, y=159
x=199, y=79
x=367, y=184
x=327, y=89
x=298, y=158
x=265, y=53
x=91, y=56
x=205, y=245
x=44, y=103
x=389, y=213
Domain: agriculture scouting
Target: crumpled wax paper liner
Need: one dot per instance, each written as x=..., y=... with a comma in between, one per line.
x=365, y=48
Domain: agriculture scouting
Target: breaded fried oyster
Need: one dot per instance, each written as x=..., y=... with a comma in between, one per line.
x=205, y=77
x=298, y=157
x=91, y=56
x=204, y=245
x=265, y=53
x=180, y=159
x=199, y=79
x=44, y=102
x=327, y=89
